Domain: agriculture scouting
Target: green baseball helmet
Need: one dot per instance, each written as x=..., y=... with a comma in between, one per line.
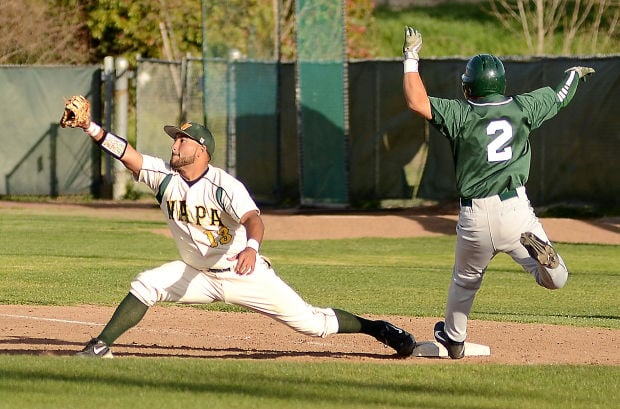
x=484, y=75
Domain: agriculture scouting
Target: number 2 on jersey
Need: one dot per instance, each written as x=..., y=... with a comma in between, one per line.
x=502, y=132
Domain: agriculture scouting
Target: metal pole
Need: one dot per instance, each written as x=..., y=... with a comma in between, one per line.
x=278, y=52
x=53, y=132
x=204, y=62
x=121, y=104
x=108, y=77
x=231, y=101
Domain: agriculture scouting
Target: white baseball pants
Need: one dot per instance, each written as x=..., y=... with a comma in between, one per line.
x=262, y=291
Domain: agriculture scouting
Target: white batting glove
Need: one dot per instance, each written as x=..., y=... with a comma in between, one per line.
x=581, y=71
x=413, y=44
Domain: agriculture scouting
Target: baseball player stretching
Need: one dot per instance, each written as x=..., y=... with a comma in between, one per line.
x=218, y=231
x=488, y=134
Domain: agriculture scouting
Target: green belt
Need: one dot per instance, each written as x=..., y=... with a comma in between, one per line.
x=509, y=194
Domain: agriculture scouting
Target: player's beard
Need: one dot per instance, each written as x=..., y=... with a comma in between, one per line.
x=177, y=161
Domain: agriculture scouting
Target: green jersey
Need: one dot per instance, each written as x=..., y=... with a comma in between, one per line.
x=489, y=136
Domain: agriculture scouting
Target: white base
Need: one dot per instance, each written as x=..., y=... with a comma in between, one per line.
x=435, y=349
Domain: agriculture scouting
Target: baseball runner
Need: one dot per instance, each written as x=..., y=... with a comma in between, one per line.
x=218, y=231
x=489, y=136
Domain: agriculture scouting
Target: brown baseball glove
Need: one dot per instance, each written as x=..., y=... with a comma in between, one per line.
x=77, y=113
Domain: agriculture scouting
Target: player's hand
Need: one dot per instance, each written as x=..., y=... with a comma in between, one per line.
x=413, y=43
x=246, y=261
x=583, y=72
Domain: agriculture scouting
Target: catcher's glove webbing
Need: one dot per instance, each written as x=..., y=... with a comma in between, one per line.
x=76, y=113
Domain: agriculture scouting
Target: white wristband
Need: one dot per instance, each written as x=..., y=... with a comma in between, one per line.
x=93, y=129
x=253, y=244
x=410, y=65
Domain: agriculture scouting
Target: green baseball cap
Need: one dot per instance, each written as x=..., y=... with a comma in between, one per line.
x=197, y=132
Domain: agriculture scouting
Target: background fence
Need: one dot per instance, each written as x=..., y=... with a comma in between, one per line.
x=37, y=156
x=391, y=155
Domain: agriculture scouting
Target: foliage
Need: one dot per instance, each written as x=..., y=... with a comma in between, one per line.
x=118, y=27
x=544, y=24
x=360, y=22
x=85, y=31
x=448, y=30
x=43, y=32
x=463, y=29
x=170, y=29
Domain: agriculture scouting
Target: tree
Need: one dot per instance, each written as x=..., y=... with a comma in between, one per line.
x=85, y=31
x=43, y=32
x=251, y=27
x=545, y=22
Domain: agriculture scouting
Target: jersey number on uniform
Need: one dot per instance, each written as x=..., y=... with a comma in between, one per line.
x=224, y=236
x=501, y=131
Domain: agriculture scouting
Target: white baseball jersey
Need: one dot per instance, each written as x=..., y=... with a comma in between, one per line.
x=203, y=217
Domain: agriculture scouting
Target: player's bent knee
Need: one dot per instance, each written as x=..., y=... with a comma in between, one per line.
x=143, y=292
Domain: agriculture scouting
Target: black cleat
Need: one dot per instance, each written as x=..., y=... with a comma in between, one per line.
x=95, y=349
x=539, y=250
x=456, y=350
x=399, y=339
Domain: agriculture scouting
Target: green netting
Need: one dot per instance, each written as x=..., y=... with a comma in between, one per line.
x=158, y=105
x=392, y=154
x=253, y=130
x=170, y=93
x=37, y=156
x=241, y=113
x=321, y=102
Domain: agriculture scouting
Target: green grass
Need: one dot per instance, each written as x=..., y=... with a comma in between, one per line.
x=451, y=30
x=462, y=30
x=367, y=276
x=67, y=260
x=192, y=383
x=64, y=260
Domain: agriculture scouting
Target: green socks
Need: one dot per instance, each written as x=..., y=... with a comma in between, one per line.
x=349, y=323
x=129, y=312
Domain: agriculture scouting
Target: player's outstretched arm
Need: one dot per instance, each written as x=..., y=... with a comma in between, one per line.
x=413, y=87
x=119, y=149
x=77, y=115
x=568, y=86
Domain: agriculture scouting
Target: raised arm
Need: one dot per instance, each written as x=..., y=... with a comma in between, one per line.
x=566, y=89
x=77, y=115
x=413, y=87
